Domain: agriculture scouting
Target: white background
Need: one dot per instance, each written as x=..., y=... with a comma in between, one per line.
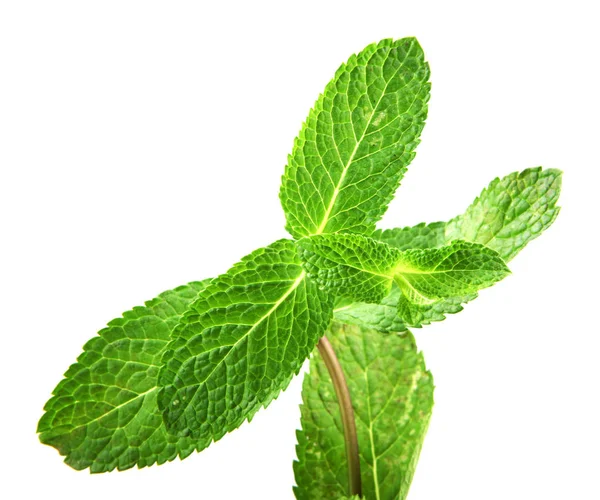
x=142, y=145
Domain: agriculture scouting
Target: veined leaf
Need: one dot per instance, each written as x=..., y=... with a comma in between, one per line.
x=384, y=316
x=240, y=343
x=392, y=396
x=350, y=265
x=427, y=275
x=103, y=414
x=507, y=215
x=420, y=236
x=511, y=211
x=364, y=269
x=357, y=141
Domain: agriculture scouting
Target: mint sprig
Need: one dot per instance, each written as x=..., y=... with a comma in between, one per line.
x=193, y=364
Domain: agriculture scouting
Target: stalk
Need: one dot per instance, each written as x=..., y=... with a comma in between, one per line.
x=343, y=396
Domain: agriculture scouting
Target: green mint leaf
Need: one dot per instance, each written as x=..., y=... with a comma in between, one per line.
x=428, y=275
x=507, y=215
x=357, y=141
x=364, y=269
x=384, y=316
x=511, y=211
x=240, y=343
x=103, y=414
x=350, y=265
x=420, y=236
x=392, y=396
x=416, y=316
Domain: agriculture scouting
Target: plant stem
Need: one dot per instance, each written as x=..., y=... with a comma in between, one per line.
x=343, y=395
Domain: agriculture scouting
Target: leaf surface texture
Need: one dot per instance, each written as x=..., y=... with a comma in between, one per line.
x=357, y=141
x=364, y=269
x=392, y=395
x=507, y=215
x=241, y=342
x=103, y=414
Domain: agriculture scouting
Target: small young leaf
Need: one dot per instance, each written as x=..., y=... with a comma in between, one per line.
x=428, y=275
x=350, y=265
x=240, y=343
x=392, y=396
x=507, y=215
x=364, y=269
x=103, y=414
x=357, y=141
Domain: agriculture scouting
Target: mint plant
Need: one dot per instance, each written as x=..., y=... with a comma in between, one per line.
x=172, y=376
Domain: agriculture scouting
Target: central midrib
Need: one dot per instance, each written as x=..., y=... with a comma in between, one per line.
x=294, y=285
x=115, y=408
x=337, y=189
x=401, y=279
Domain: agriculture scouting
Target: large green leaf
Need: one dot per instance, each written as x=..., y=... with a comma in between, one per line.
x=357, y=141
x=392, y=396
x=364, y=269
x=240, y=343
x=507, y=215
x=104, y=415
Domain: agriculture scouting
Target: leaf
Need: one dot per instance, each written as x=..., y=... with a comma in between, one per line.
x=392, y=396
x=364, y=269
x=427, y=275
x=103, y=414
x=240, y=343
x=420, y=236
x=384, y=316
x=511, y=211
x=357, y=141
x=507, y=215
x=350, y=265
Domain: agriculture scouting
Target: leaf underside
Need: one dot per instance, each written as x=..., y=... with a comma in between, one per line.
x=103, y=414
x=240, y=343
x=384, y=316
x=357, y=141
x=392, y=396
